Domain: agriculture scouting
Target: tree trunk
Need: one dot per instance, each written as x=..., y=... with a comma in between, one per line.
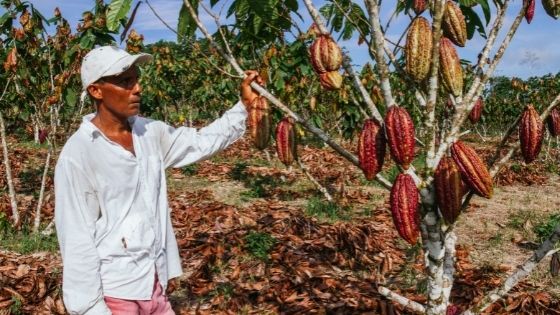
x=37, y=222
x=9, y=179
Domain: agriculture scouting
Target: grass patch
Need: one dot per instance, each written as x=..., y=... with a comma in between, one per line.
x=191, y=169
x=544, y=229
x=259, y=186
x=328, y=210
x=259, y=244
x=24, y=242
x=517, y=220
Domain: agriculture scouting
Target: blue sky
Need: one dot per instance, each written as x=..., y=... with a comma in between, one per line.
x=535, y=49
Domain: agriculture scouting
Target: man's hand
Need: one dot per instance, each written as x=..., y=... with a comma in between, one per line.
x=247, y=92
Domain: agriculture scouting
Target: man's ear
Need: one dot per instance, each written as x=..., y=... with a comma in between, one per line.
x=94, y=91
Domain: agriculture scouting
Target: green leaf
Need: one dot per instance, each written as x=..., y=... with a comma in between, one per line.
x=4, y=18
x=118, y=9
x=473, y=23
x=187, y=25
x=70, y=96
x=485, y=10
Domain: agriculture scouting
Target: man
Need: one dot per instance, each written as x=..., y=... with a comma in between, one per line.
x=111, y=213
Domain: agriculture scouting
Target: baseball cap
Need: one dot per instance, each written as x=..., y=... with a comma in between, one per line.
x=108, y=61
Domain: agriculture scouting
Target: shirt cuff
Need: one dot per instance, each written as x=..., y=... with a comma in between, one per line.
x=239, y=108
x=100, y=308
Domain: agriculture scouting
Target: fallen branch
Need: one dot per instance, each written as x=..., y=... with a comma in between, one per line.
x=315, y=182
x=406, y=302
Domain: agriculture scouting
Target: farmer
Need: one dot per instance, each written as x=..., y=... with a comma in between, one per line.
x=112, y=217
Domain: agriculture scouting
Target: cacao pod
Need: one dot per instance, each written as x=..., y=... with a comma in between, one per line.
x=259, y=122
x=11, y=60
x=418, y=50
x=554, y=122
x=286, y=144
x=555, y=264
x=419, y=6
x=451, y=72
x=473, y=170
x=43, y=134
x=399, y=129
x=449, y=189
x=454, y=25
x=404, y=208
x=331, y=80
x=371, y=148
x=326, y=56
x=476, y=112
x=552, y=7
x=531, y=134
x=530, y=11
x=453, y=309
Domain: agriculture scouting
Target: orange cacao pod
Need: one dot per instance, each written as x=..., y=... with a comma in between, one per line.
x=371, y=148
x=259, y=122
x=530, y=11
x=11, y=60
x=418, y=50
x=555, y=264
x=476, y=112
x=419, y=6
x=554, y=122
x=473, y=170
x=552, y=7
x=325, y=54
x=451, y=72
x=531, y=134
x=331, y=80
x=404, y=208
x=449, y=189
x=399, y=129
x=454, y=25
x=286, y=144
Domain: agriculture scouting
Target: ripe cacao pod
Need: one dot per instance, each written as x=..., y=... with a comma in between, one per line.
x=554, y=122
x=326, y=56
x=419, y=6
x=43, y=134
x=454, y=25
x=476, y=112
x=555, y=264
x=531, y=134
x=331, y=80
x=286, y=143
x=399, y=129
x=530, y=12
x=404, y=208
x=11, y=61
x=259, y=122
x=418, y=50
x=371, y=148
x=451, y=72
x=473, y=170
x=552, y=7
x=449, y=189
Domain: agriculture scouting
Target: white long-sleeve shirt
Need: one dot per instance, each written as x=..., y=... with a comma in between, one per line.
x=111, y=213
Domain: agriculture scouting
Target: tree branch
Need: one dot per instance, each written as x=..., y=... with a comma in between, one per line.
x=404, y=301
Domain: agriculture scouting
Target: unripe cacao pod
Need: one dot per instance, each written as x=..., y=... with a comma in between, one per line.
x=404, y=208
x=399, y=129
x=286, y=144
x=419, y=6
x=554, y=122
x=454, y=25
x=552, y=7
x=531, y=134
x=331, y=80
x=371, y=148
x=259, y=122
x=473, y=170
x=555, y=264
x=418, y=50
x=451, y=72
x=476, y=112
x=325, y=54
x=530, y=12
x=449, y=189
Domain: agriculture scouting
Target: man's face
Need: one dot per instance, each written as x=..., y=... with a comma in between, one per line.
x=119, y=94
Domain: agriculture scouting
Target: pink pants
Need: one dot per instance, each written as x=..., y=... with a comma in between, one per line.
x=158, y=305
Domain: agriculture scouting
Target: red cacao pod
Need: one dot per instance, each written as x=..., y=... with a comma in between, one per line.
x=453, y=310
x=326, y=56
x=554, y=122
x=399, y=129
x=552, y=8
x=531, y=134
x=476, y=112
x=473, y=170
x=404, y=208
x=371, y=148
x=418, y=50
x=451, y=72
x=259, y=122
x=454, y=25
x=419, y=6
x=530, y=12
x=449, y=189
x=286, y=143
x=331, y=80
x=43, y=134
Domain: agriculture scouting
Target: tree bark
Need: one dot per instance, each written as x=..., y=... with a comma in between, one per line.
x=8, y=170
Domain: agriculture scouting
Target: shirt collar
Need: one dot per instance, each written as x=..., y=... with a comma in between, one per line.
x=92, y=131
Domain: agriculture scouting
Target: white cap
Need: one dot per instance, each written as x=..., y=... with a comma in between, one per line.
x=108, y=61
